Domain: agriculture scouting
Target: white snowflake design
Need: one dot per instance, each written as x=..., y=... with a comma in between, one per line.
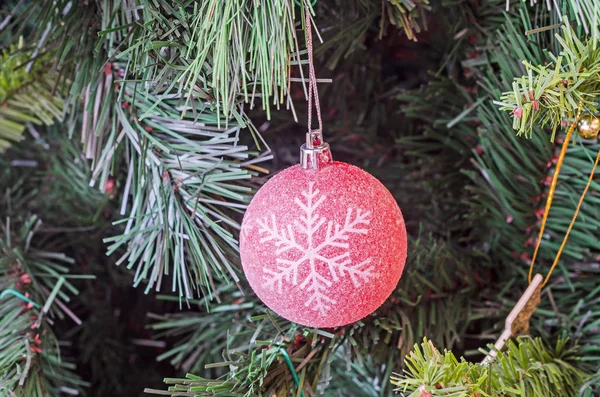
x=312, y=252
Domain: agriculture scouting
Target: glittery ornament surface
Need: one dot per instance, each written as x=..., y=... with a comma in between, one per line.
x=323, y=247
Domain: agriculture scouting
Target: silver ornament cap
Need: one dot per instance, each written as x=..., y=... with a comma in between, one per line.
x=315, y=153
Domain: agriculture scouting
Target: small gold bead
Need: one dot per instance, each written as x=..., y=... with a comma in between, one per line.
x=588, y=126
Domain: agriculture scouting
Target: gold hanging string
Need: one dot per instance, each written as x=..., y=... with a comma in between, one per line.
x=559, y=164
x=316, y=137
x=517, y=322
x=564, y=242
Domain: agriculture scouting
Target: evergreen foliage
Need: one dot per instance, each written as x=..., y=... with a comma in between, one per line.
x=28, y=94
x=551, y=94
x=437, y=288
x=147, y=140
x=527, y=368
x=36, y=285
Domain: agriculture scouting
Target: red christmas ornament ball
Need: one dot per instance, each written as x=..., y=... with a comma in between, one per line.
x=325, y=247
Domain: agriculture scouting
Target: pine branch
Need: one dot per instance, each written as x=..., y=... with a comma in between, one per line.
x=251, y=362
x=237, y=45
x=53, y=177
x=235, y=345
x=184, y=60
x=33, y=360
x=179, y=161
x=162, y=96
x=27, y=94
x=517, y=200
x=185, y=182
x=230, y=51
x=403, y=14
x=509, y=175
x=345, y=25
x=528, y=368
x=31, y=363
x=550, y=94
x=356, y=378
x=200, y=337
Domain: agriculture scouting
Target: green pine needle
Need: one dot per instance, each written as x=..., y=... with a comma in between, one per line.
x=31, y=363
x=527, y=368
x=28, y=94
x=550, y=94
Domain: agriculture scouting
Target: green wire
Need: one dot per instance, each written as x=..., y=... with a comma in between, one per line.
x=18, y=295
x=291, y=367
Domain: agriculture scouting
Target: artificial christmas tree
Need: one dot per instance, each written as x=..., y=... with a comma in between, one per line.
x=135, y=134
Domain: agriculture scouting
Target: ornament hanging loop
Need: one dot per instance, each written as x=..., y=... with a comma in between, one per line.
x=315, y=152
